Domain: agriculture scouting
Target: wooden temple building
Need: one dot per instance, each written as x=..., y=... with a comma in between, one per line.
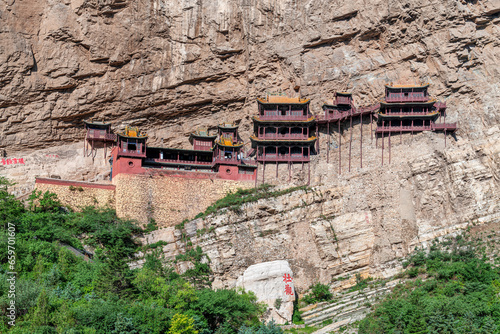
x=97, y=135
x=212, y=154
x=284, y=131
x=338, y=111
x=410, y=109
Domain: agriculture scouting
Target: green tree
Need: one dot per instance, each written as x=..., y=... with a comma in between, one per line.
x=182, y=324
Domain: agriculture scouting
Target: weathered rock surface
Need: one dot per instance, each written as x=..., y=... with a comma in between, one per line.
x=172, y=66
x=268, y=281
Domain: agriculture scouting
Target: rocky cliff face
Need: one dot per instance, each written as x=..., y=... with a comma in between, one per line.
x=170, y=66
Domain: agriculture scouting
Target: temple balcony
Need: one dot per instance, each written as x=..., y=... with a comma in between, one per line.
x=133, y=154
x=181, y=162
x=234, y=161
x=282, y=158
x=440, y=105
x=273, y=115
x=394, y=98
x=411, y=113
x=286, y=136
x=444, y=126
x=404, y=128
x=99, y=135
x=337, y=115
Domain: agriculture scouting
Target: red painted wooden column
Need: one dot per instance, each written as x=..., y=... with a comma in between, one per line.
x=340, y=150
x=328, y=141
x=350, y=141
x=383, y=133
x=361, y=141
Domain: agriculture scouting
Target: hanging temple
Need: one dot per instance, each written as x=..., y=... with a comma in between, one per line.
x=285, y=131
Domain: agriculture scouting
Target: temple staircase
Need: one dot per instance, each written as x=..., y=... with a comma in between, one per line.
x=348, y=308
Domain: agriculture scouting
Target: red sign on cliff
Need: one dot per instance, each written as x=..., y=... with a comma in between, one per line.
x=288, y=289
x=13, y=161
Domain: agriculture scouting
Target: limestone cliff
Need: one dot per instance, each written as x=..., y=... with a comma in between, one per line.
x=171, y=66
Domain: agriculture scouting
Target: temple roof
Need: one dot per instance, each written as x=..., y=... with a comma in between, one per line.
x=226, y=142
x=132, y=132
x=98, y=124
x=225, y=125
x=202, y=133
x=343, y=93
x=422, y=85
x=281, y=99
x=385, y=103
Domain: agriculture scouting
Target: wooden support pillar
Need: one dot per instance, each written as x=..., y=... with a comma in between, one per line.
x=390, y=127
x=309, y=173
x=289, y=172
x=383, y=133
x=257, y=171
x=328, y=141
x=361, y=141
x=340, y=150
x=371, y=129
x=401, y=132
x=264, y=171
x=412, y=130
x=445, y=130
x=350, y=141
x=317, y=139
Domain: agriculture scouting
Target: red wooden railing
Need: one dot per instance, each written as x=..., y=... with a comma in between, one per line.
x=284, y=157
x=409, y=98
x=184, y=162
x=444, y=126
x=404, y=128
x=440, y=105
x=418, y=113
x=98, y=135
x=234, y=161
x=291, y=136
x=131, y=154
x=285, y=117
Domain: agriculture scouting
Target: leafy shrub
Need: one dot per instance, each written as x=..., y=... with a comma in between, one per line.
x=319, y=292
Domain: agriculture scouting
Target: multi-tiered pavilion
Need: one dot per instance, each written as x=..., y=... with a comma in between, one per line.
x=284, y=130
x=410, y=109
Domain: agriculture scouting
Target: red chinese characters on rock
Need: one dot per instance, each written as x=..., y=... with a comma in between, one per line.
x=288, y=289
x=13, y=161
x=52, y=155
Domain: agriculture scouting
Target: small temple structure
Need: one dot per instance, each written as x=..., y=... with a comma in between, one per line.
x=284, y=131
x=339, y=110
x=229, y=156
x=222, y=158
x=410, y=109
x=97, y=135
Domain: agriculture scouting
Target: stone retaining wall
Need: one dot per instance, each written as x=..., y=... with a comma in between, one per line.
x=79, y=194
x=169, y=199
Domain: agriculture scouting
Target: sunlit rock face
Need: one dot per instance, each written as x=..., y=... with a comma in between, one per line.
x=272, y=283
x=172, y=66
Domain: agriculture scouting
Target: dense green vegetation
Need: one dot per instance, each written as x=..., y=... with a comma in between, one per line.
x=452, y=289
x=58, y=291
x=234, y=201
